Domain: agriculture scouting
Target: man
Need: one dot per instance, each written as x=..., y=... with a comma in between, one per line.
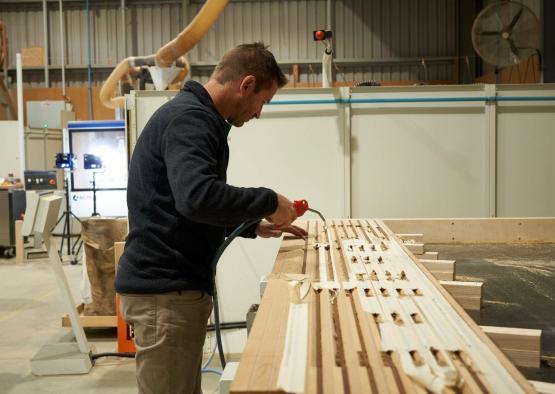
x=181, y=209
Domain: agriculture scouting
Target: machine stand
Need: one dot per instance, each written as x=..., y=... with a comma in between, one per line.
x=60, y=358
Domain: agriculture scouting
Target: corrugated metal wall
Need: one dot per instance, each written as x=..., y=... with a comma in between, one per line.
x=374, y=39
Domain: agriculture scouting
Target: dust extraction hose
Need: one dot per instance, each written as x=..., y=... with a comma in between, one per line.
x=166, y=55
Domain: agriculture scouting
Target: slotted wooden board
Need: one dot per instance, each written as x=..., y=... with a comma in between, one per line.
x=388, y=318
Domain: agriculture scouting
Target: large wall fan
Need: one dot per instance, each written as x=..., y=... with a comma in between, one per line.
x=505, y=33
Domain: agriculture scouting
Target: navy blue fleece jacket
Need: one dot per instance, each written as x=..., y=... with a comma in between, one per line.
x=180, y=207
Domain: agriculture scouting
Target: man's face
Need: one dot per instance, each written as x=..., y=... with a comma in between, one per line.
x=251, y=104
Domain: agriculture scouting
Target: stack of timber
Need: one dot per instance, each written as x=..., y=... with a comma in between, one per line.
x=351, y=310
x=467, y=294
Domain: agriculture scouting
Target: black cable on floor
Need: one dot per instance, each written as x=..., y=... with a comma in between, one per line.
x=113, y=354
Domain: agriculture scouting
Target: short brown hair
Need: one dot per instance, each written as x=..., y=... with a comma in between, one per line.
x=250, y=59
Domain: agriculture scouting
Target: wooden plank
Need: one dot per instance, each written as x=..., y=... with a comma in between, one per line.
x=331, y=372
x=351, y=346
x=416, y=238
x=514, y=338
x=429, y=256
x=543, y=387
x=439, y=265
x=415, y=248
x=463, y=289
x=19, y=252
x=370, y=343
x=478, y=230
x=440, y=269
x=467, y=294
x=345, y=348
x=521, y=345
x=259, y=365
x=92, y=321
x=442, y=275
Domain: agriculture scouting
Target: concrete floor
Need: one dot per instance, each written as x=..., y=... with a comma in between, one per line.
x=30, y=317
x=519, y=289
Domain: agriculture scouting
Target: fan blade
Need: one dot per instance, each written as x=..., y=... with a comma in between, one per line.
x=490, y=33
x=514, y=50
x=514, y=21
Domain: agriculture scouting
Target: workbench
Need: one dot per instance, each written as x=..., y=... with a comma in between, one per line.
x=351, y=310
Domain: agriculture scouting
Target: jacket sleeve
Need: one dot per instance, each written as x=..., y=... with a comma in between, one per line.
x=190, y=148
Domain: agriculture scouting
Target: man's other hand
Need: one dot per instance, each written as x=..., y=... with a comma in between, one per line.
x=284, y=214
x=270, y=230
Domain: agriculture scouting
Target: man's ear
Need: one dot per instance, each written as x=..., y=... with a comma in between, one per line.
x=248, y=84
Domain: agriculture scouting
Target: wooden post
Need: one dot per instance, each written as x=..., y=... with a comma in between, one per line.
x=19, y=252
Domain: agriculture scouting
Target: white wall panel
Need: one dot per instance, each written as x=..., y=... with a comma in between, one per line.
x=419, y=159
x=526, y=153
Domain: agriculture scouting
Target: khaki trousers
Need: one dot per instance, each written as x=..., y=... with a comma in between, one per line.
x=169, y=331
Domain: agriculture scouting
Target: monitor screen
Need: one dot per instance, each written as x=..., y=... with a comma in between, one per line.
x=99, y=149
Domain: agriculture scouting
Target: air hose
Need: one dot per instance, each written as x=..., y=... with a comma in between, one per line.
x=215, y=261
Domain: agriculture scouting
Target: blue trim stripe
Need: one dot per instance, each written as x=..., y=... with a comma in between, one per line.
x=100, y=124
x=414, y=100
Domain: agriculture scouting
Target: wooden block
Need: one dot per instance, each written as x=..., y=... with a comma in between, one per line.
x=19, y=252
x=416, y=238
x=90, y=321
x=543, y=387
x=439, y=265
x=467, y=294
x=32, y=57
x=442, y=275
x=430, y=256
x=415, y=248
x=478, y=230
x=521, y=345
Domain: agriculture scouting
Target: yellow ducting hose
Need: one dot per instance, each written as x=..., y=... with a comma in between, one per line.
x=168, y=54
x=192, y=34
x=111, y=85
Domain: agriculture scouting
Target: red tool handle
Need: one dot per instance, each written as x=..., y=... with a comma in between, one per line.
x=301, y=206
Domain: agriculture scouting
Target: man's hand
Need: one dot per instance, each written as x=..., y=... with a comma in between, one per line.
x=270, y=230
x=284, y=214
